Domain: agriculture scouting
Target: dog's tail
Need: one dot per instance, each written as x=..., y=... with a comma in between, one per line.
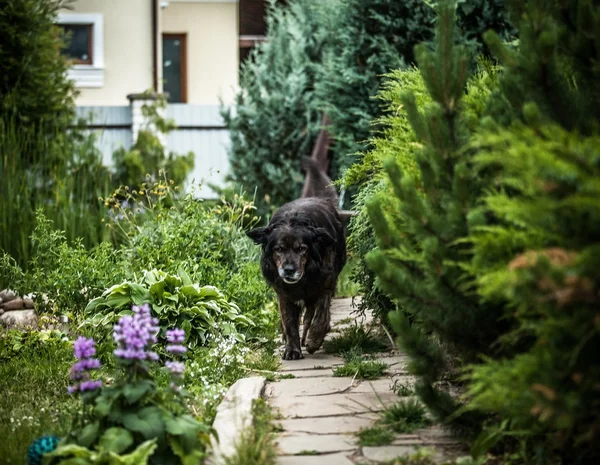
x=318, y=184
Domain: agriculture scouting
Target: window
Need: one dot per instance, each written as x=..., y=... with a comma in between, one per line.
x=175, y=67
x=79, y=38
x=85, y=47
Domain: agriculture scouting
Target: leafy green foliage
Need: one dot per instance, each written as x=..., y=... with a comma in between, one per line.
x=147, y=159
x=360, y=366
x=201, y=311
x=135, y=419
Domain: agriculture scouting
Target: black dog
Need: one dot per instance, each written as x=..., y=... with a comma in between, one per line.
x=304, y=251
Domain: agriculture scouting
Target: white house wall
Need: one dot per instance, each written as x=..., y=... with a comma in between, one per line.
x=127, y=49
x=212, y=47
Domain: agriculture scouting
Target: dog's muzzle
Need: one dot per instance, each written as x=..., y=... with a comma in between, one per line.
x=290, y=275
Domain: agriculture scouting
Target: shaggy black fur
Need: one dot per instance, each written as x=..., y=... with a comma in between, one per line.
x=304, y=251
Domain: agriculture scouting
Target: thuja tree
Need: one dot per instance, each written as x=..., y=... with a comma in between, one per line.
x=541, y=258
x=274, y=122
x=418, y=262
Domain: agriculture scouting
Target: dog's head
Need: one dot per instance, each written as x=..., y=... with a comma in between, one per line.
x=291, y=249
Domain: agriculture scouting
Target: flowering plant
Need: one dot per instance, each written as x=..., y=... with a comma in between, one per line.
x=133, y=413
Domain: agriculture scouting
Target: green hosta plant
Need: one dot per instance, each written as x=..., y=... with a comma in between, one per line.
x=132, y=420
x=177, y=302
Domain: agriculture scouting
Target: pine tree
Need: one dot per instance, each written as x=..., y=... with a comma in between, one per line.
x=540, y=257
x=419, y=257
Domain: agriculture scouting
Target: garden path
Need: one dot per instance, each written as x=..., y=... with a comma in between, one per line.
x=320, y=415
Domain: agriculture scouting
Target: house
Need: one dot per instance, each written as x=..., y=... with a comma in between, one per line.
x=188, y=49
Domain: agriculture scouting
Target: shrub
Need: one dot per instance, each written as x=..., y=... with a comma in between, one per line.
x=274, y=123
x=176, y=301
x=132, y=416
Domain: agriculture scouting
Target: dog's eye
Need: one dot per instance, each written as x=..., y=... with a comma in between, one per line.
x=278, y=248
x=301, y=248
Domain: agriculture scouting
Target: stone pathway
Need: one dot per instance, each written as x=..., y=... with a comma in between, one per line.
x=320, y=415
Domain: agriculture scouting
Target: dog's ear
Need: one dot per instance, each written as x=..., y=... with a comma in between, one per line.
x=259, y=235
x=322, y=236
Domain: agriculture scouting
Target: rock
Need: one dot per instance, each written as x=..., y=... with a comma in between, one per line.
x=1, y=312
x=19, y=319
x=28, y=302
x=7, y=295
x=15, y=304
x=342, y=424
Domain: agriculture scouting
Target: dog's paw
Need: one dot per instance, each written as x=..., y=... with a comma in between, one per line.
x=289, y=353
x=312, y=346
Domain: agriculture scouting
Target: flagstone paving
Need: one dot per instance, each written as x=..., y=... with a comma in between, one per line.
x=320, y=415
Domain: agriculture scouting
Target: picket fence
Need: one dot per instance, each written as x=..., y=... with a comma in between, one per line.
x=200, y=129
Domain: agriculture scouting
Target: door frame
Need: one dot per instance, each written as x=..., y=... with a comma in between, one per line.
x=182, y=36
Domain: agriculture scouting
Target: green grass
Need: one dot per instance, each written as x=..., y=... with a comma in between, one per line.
x=403, y=390
x=34, y=400
x=375, y=436
x=257, y=446
x=360, y=366
x=405, y=416
x=356, y=337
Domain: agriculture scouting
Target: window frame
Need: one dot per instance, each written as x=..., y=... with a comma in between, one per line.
x=87, y=74
x=182, y=36
x=90, y=27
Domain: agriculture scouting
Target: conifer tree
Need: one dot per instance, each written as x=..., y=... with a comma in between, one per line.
x=274, y=122
x=540, y=259
x=419, y=256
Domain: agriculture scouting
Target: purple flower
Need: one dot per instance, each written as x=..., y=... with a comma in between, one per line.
x=90, y=385
x=175, y=336
x=176, y=368
x=135, y=333
x=176, y=349
x=84, y=350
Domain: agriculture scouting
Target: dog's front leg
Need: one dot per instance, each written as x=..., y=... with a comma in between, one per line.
x=321, y=323
x=290, y=321
x=308, y=317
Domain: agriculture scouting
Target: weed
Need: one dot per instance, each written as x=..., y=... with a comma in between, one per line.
x=346, y=286
x=405, y=416
x=356, y=337
x=402, y=389
x=257, y=446
x=423, y=456
x=375, y=436
x=360, y=366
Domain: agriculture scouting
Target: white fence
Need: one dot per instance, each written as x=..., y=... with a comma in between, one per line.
x=200, y=129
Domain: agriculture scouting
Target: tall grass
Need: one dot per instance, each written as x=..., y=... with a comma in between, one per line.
x=63, y=175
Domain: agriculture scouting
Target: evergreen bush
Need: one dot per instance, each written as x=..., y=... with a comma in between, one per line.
x=274, y=122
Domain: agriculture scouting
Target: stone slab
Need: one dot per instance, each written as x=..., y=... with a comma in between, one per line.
x=335, y=404
x=308, y=386
x=329, y=459
x=388, y=453
x=316, y=373
x=343, y=424
x=234, y=415
x=310, y=362
x=299, y=443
